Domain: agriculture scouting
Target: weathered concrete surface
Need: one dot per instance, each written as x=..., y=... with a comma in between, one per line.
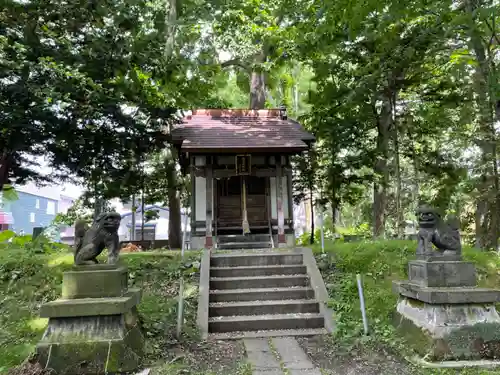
x=456, y=295
x=442, y=273
x=66, y=308
x=270, y=333
x=292, y=357
x=314, y=371
x=204, y=294
x=445, y=332
x=100, y=280
x=92, y=344
x=319, y=287
x=264, y=322
x=291, y=354
x=247, y=282
x=94, y=328
x=261, y=357
x=260, y=294
x=250, y=296
x=296, y=269
x=264, y=307
x=255, y=259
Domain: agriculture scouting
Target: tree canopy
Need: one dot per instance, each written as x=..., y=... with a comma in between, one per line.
x=403, y=98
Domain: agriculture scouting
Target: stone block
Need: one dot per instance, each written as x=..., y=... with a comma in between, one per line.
x=450, y=332
x=458, y=295
x=65, y=308
x=95, y=281
x=92, y=344
x=445, y=257
x=442, y=273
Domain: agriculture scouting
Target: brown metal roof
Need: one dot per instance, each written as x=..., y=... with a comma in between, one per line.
x=223, y=130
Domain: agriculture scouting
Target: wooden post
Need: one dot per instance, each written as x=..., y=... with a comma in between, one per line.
x=290, y=197
x=279, y=203
x=209, y=180
x=193, y=196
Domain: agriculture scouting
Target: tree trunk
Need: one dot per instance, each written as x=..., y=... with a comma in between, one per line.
x=142, y=212
x=487, y=217
x=416, y=175
x=380, y=168
x=399, y=208
x=311, y=201
x=174, y=204
x=171, y=23
x=132, y=229
x=4, y=169
x=258, y=84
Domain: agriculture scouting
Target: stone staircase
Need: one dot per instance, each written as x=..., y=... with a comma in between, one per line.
x=262, y=294
x=240, y=241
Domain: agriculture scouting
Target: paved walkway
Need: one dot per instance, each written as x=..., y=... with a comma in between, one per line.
x=287, y=354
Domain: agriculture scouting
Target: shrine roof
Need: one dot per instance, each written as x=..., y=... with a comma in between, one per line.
x=223, y=130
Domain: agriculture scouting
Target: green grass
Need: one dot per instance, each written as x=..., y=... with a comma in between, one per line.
x=380, y=263
x=28, y=280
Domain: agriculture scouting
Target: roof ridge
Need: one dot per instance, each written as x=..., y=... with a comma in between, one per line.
x=236, y=112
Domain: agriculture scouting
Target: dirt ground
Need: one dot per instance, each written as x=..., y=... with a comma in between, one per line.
x=336, y=360
x=224, y=357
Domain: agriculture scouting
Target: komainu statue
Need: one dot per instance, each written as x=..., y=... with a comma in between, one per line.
x=90, y=242
x=433, y=230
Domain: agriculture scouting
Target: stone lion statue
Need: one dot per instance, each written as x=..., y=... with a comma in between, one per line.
x=90, y=242
x=433, y=230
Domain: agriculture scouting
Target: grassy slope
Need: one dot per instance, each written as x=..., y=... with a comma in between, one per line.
x=27, y=281
x=381, y=262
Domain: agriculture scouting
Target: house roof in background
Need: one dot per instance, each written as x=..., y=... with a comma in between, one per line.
x=150, y=207
x=49, y=191
x=239, y=129
x=146, y=208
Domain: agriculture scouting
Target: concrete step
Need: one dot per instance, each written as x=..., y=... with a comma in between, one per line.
x=260, y=294
x=257, y=271
x=274, y=281
x=221, y=239
x=263, y=307
x=270, y=333
x=244, y=245
x=223, y=324
x=255, y=259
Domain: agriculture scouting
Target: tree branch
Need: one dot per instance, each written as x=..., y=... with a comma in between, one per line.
x=493, y=32
x=234, y=62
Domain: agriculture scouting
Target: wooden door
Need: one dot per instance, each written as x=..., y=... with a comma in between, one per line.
x=229, y=213
x=256, y=201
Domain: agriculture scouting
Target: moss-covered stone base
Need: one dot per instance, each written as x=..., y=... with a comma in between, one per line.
x=92, y=344
x=449, y=332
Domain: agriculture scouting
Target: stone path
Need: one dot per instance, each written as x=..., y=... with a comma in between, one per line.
x=273, y=356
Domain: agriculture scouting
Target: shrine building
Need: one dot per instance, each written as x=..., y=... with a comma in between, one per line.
x=241, y=177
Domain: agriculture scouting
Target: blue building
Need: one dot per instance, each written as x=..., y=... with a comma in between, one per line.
x=35, y=207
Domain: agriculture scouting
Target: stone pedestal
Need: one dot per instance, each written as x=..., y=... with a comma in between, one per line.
x=94, y=327
x=444, y=315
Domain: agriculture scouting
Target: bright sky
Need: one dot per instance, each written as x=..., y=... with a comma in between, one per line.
x=69, y=190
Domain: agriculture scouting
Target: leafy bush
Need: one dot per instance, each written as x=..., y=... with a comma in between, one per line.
x=363, y=230
x=42, y=244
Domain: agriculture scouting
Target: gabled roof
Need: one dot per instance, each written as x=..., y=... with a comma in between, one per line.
x=219, y=130
x=146, y=208
x=151, y=207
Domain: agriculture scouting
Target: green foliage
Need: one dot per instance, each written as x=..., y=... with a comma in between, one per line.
x=77, y=211
x=42, y=244
x=363, y=229
x=379, y=263
x=9, y=194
